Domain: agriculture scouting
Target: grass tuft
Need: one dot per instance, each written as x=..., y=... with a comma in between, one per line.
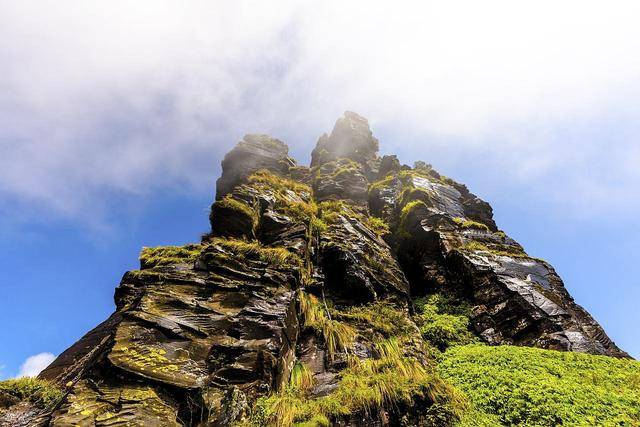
x=338, y=336
x=277, y=257
x=168, y=255
x=469, y=224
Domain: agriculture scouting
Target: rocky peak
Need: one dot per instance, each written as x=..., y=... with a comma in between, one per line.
x=253, y=153
x=350, y=138
x=321, y=296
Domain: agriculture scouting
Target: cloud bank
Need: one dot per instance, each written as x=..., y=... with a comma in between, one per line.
x=104, y=100
x=35, y=364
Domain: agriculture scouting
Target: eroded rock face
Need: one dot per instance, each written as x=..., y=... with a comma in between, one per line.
x=301, y=296
x=448, y=241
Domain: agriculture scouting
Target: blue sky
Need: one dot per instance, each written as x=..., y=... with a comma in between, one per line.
x=112, y=140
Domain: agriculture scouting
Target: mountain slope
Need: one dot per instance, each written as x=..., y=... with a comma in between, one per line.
x=328, y=295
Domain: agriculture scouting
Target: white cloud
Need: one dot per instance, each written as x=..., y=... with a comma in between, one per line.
x=35, y=364
x=110, y=98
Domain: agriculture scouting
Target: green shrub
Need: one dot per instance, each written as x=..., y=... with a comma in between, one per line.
x=535, y=387
x=40, y=392
x=442, y=322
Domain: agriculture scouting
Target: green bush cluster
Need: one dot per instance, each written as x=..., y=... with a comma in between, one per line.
x=42, y=393
x=443, y=321
x=533, y=387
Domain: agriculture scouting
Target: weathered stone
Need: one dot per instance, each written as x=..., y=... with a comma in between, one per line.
x=350, y=138
x=340, y=179
x=253, y=153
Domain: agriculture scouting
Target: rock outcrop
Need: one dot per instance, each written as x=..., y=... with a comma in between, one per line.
x=298, y=306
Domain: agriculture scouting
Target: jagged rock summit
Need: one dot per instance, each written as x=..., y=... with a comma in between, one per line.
x=308, y=301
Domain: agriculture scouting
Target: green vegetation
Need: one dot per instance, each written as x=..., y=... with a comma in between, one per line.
x=533, y=387
x=343, y=168
x=377, y=225
x=237, y=207
x=378, y=320
x=410, y=194
x=168, y=255
x=331, y=210
x=338, y=336
x=443, y=321
x=301, y=378
x=292, y=197
x=40, y=392
x=277, y=257
x=386, y=381
x=318, y=225
x=404, y=215
x=467, y=223
x=497, y=249
x=278, y=183
x=382, y=183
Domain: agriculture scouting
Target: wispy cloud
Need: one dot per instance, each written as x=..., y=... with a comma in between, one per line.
x=33, y=365
x=105, y=99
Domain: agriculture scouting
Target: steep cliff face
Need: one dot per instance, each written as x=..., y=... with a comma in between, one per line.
x=316, y=299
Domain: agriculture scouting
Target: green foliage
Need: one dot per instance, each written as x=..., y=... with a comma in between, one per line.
x=301, y=378
x=338, y=336
x=380, y=319
x=497, y=249
x=293, y=198
x=278, y=183
x=535, y=387
x=167, y=255
x=344, y=167
x=443, y=322
x=406, y=211
x=365, y=385
x=382, y=183
x=410, y=194
x=318, y=225
x=40, y=392
x=377, y=225
x=236, y=206
x=277, y=257
x=467, y=223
